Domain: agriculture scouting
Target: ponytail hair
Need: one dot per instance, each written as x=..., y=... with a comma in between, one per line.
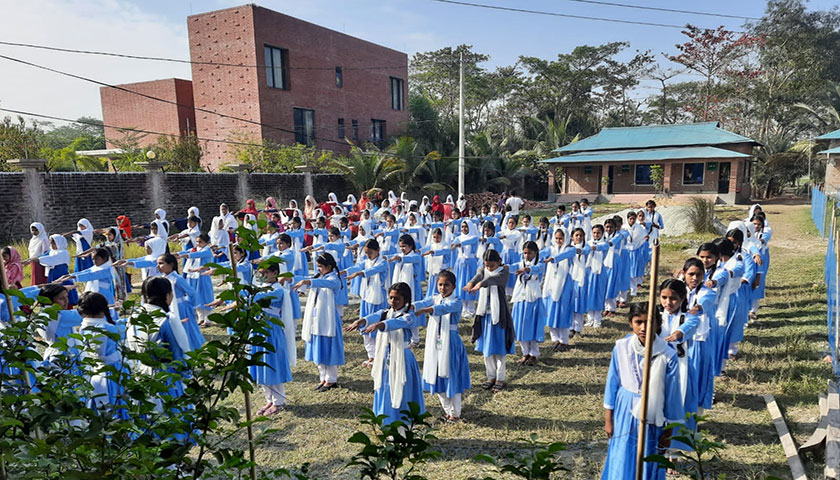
x=155, y=291
x=532, y=245
x=372, y=244
x=94, y=305
x=404, y=290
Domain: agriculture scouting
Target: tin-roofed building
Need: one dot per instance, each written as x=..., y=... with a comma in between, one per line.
x=616, y=164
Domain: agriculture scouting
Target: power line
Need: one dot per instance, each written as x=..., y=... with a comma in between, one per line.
x=555, y=14
x=190, y=62
x=202, y=139
x=669, y=10
x=163, y=100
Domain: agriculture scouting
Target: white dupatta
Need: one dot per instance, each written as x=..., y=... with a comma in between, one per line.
x=728, y=290
x=371, y=287
x=630, y=372
x=395, y=339
x=436, y=353
x=555, y=276
x=285, y=316
x=484, y=295
x=527, y=288
x=578, y=271
x=319, y=315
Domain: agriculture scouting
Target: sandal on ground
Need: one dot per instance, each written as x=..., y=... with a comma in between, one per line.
x=327, y=387
x=523, y=360
x=531, y=361
x=271, y=410
x=262, y=409
x=499, y=386
x=319, y=386
x=488, y=384
x=451, y=420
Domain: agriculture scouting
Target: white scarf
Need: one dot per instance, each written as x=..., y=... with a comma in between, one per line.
x=87, y=234
x=527, y=290
x=289, y=327
x=729, y=289
x=579, y=266
x=371, y=287
x=395, y=339
x=38, y=244
x=194, y=263
x=319, y=316
x=99, y=343
x=596, y=259
x=609, y=261
x=672, y=322
x=484, y=295
x=435, y=263
x=94, y=285
x=404, y=272
x=56, y=256
x=631, y=373
x=173, y=307
x=436, y=354
x=555, y=276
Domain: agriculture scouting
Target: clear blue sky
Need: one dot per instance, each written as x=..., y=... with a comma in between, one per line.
x=158, y=27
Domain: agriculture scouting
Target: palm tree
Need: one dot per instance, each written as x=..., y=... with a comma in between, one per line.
x=507, y=171
x=405, y=149
x=370, y=168
x=829, y=114
x=439, y=175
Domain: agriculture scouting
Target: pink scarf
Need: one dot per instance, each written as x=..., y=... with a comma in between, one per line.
x=14, y=269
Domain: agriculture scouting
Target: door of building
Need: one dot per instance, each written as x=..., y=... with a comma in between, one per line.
x=724, y=169
x=610, y=176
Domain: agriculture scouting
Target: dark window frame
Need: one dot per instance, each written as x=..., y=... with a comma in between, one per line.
x=696, y=166
x=398, y=96
x=378, y=130
x=271, y=70
x=339, y=77
x=301, y=135
x=341, y=127
x=355, y=126
x=636, y=174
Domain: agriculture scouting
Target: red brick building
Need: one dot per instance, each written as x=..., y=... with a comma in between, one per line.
x=261, y=75
x=129, y=110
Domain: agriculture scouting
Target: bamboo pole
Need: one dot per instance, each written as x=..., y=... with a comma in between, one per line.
x=248, y=415
x=834, y=238
x=649, y=336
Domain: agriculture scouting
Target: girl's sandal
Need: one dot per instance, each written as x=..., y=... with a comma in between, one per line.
x=488, y=385
x=499, y=386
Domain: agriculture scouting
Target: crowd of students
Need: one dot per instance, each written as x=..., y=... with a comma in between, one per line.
x=519, y=279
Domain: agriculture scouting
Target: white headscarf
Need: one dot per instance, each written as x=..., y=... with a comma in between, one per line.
x=219, y=236
x=161, y=228
x=56, y=256
x=39, y=244
x=193, y=212
x=392, y=198
x=462, y=203
x=449, y=200
x=87, y=233
x=333, y=198
x=404, y=198
x=351, y=200
x=157, y=246
x=425, y=205
x=250, y=222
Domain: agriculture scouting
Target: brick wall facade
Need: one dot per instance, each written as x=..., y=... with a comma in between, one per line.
x=239, y=35
x=130, y=110
x=64, y=198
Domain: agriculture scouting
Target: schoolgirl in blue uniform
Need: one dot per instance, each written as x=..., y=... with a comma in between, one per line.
x=558, y=290
x=511, y=247
x=55, y=263
x=466, y=264
x=622, y=395
x=612, y=264
x=99, y=277
x=408, y=267
x=321, y=324
x=596, y=278
x=67, y=322
x=701, y=302
x=277, y=362
x=446, y=368
x=83, y=237
x=373, y=274
x=439, y=254
x=528, y=311
x=396, y=375
x=196, y=259
x=577, y=273
x=184, y=303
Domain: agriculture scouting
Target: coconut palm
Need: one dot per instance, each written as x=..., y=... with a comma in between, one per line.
x=370, y=168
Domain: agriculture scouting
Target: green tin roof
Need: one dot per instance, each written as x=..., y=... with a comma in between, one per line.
x=835, y=135
x=624, y=138
x=831, y=151
x=647, y=155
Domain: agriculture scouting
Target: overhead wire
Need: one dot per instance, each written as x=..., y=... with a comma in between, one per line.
x=668, y=10
x=174, y=135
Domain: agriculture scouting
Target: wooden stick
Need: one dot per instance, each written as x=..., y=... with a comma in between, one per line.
x=832, y=434
x=248, y=416
x=796, y=468
x=834, y=239
x=650, y=333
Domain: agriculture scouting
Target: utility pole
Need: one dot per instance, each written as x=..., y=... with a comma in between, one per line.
x=461, y=130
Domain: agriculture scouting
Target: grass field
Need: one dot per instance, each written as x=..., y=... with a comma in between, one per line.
x=561, y=398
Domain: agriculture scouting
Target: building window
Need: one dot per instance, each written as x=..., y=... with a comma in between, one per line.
x=396, y=93
x=339, y=80
x=304, y=126
x=625, y=169
x=340, y=128
x=693, y=173
x=643, y=175
x=587, y=170
x=276, y=67
x=377, y=130
x=355, y=126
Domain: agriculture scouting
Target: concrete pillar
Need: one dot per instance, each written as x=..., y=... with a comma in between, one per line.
x=666, y=182
x=154, y=182
x=308, y=188
x=551, y=184
x=33, y=186
x=242, y=191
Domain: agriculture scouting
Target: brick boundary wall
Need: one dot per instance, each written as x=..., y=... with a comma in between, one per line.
x=60, y=199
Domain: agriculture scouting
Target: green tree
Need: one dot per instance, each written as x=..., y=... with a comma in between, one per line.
x=87, y=127
x=19, y=140
x=370, y=168
x=181, y=154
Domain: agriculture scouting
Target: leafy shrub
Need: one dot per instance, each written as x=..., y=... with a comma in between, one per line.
x=701, y=214
x=540, y=462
